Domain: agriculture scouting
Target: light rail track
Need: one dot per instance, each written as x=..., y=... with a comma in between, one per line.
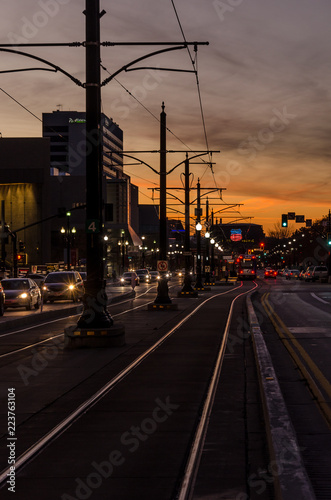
x=193, y=460
x=50, y=322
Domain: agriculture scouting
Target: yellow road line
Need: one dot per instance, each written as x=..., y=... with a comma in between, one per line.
x=289, y=340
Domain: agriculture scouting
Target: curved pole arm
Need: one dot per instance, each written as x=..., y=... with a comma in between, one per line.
x=27, y=69
x=124, y=68
x=205, y=194
x=138, y=159
x=192, y=158
x=56, y=68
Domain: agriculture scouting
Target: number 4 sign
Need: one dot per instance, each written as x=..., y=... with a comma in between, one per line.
x=92, y=226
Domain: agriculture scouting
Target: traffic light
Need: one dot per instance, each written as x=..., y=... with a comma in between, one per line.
x=21, y=246
x=328, y=239
x=284, y=220
x=21, y=258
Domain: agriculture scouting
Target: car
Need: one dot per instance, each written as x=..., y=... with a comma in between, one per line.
x=2, y=300
x=127, y=277
x=292, y=274
x=21, y=292
x=270, y=273
x=63, y=285
x=319, y=272
x=38, y=278
x=302, y=274
x=143, y=275
x=155, y=275
x=308, y=273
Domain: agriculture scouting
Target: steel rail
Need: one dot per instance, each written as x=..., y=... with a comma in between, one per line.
x=60, y=428
x=193, y=462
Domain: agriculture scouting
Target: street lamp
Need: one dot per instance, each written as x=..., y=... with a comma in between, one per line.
x=67, y=232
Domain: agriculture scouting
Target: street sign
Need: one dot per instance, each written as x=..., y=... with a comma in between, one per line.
x=299, y=218
x=92, y=226
x=162, y=265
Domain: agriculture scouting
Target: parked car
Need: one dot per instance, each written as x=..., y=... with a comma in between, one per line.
x=270, y=273
x=319, y=272
x=155, y=275
x=21, y=292
x=2, y=300
x=126, y=278
x=63, y=285
x=292, y=274
x=143, y=275
x=38, y=278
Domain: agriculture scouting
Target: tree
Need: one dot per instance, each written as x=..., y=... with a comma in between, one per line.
x=280, y=232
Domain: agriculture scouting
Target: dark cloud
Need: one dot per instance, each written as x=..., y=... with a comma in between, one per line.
x=262, y=57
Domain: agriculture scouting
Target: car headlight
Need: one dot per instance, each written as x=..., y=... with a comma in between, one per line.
x=71, y=287
x=23, y=296
x=44, y=288
x=122, y=279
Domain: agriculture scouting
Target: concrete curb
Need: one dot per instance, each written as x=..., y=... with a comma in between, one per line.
x=291, y=479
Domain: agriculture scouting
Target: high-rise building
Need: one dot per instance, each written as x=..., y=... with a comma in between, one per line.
x=66, y=131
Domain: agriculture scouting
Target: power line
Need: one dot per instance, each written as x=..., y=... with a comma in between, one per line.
x=22, y=106
x=194, y=62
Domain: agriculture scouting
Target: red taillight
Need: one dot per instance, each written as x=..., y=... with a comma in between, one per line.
x=241, y=272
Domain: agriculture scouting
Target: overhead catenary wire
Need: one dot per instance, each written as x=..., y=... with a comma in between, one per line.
x=194, y=62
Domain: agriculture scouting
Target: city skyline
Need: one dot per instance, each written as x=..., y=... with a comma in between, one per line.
x=264, y=84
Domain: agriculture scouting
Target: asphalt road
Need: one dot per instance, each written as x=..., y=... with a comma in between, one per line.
x=295, y=317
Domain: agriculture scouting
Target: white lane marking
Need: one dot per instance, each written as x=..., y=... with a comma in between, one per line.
x=318, y=298
x=308, y=329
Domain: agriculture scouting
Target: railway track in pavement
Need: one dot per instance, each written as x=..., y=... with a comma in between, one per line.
x=140, y=431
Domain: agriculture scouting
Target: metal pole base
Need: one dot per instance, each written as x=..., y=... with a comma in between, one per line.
x=192, y=293
x=95, y=337
x=162, y=292
x=95, y=314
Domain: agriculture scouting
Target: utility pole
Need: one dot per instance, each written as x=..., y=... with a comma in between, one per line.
x=187, y=288
x=162, y=299
x=3, y=239
x=207, y=239
x=95, y=317
x=212, y=255
x=198, y=283
x=68, y=242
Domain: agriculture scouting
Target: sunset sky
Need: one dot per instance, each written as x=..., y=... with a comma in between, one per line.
x=265, y=82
